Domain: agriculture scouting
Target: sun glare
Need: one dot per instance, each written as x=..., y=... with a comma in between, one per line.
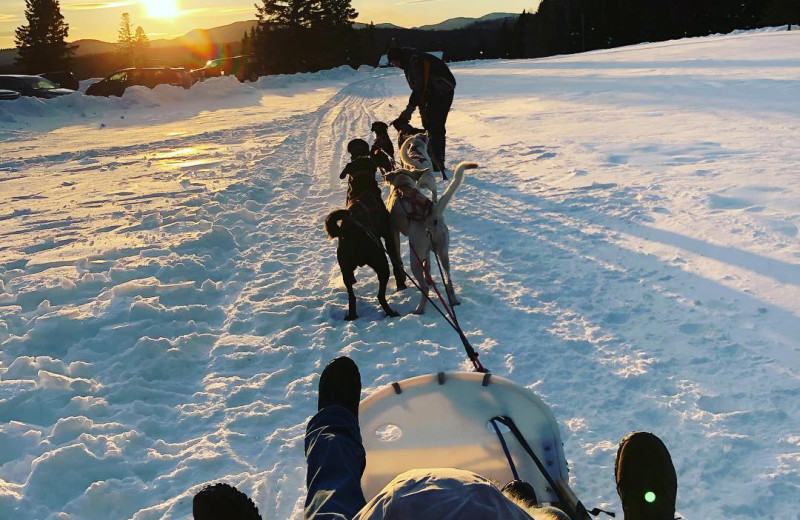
x=161, y=8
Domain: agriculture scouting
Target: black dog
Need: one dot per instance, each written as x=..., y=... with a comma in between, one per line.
x=382, y=149
x=404, y=131
x=359, y=229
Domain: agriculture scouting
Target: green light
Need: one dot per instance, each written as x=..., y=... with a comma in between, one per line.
x=650, y=497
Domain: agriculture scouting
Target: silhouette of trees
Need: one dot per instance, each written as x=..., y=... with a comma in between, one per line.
x=305, y=35
x=134, y=46
x=42, y=44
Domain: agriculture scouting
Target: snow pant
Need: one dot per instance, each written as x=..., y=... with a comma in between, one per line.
x=434, y=117
x=336, y=461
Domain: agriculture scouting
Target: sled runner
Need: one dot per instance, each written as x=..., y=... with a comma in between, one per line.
x=445, y=420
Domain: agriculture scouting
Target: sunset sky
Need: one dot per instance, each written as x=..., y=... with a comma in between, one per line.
x=171, y=18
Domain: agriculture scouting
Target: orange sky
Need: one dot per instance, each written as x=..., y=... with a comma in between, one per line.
x=171, y=18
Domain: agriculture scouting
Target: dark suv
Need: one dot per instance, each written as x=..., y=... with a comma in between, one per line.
x=63, y=79
x=35, y=86
x=115, y=84
x=243, y=67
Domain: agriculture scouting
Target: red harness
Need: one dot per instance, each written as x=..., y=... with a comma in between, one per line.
x=416, y=205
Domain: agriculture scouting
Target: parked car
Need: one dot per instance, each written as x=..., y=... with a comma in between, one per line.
x=244, y=67
x=63, y=79
x=8, y=95
x=35, y=86
x=115, y=84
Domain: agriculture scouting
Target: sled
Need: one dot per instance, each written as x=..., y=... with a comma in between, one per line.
x=444, y=420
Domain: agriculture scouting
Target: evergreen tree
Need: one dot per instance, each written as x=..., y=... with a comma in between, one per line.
x=338, y=13
x=141, y=47
x=782, y=12
x=290, y=14
x=245, y=43
x=42, y=44
x=125, y=39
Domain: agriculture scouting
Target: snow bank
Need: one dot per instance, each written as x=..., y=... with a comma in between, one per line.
x=77, y=107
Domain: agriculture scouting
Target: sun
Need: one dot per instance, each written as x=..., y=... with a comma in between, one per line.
x=161, y=8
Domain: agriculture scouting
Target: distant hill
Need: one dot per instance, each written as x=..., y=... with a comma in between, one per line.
x=359, y=25
x=461, y=22
x=231, y=33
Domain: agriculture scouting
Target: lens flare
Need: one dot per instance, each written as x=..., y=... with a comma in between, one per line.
x=650, y=497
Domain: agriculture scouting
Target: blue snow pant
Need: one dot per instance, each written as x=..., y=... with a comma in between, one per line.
x=336, y=461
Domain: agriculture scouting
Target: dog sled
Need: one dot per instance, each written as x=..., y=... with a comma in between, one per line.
x=470, y=421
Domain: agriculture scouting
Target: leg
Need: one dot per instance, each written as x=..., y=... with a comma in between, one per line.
x=351, y=303
x=443, y=252
x=381, y=267
x=335, y=454
x=417, y=267
x=393, y=248
x=348, y=276
x=437, y=110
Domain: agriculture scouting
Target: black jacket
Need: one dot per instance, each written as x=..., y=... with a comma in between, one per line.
x=426, y=75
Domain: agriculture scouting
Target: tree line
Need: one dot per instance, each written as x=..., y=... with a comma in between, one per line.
x=308, y=35
x=569, y=26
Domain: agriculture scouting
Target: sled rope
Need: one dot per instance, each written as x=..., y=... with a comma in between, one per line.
x=473, y=356
x=568, y=500
x=453, y=320
x=505, y=450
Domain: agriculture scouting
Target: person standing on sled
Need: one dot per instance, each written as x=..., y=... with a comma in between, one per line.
x=432, y=89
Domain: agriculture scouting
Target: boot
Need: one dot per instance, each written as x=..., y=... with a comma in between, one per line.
x=646, y=480
x=340, y=384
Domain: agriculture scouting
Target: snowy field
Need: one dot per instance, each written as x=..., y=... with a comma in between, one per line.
x=629, y=250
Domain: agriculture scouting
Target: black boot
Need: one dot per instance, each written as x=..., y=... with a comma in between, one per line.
x=646, y=480
x=340, y=384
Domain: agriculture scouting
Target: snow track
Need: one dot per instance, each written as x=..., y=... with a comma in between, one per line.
x=168, y=295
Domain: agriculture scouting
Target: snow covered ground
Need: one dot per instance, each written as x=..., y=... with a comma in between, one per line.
x=629, y=250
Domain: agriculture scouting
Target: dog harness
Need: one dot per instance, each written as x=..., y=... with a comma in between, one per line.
x=367, y=211
x=416, y=205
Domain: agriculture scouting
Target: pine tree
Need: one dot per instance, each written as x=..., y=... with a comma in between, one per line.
x=245, y=43
x=782, y=12
x=338, y=13
x=42, y=44
x=141, y=47
x=125, y=39
x=287, y=13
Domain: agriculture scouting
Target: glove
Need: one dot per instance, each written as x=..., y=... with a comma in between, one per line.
x=406, y=114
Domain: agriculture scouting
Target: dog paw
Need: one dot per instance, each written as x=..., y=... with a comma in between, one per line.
x=418, y=312
x=350, y=317
x=402, y=286
x=392, y=314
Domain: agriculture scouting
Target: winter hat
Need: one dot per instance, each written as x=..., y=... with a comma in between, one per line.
x=358, y=147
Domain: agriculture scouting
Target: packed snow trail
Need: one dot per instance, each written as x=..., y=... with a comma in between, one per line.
x=168, y=295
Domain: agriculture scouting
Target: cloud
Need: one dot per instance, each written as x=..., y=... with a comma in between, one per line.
x=8, y=18
x=86, y=6
x=417, y=2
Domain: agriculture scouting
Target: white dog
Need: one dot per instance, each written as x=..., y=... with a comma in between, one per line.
x=422, y=221
x=415, y=159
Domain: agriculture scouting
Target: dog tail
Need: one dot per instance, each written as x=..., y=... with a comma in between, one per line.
x=406, y=159
x=455, y=183
x=332, y=223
